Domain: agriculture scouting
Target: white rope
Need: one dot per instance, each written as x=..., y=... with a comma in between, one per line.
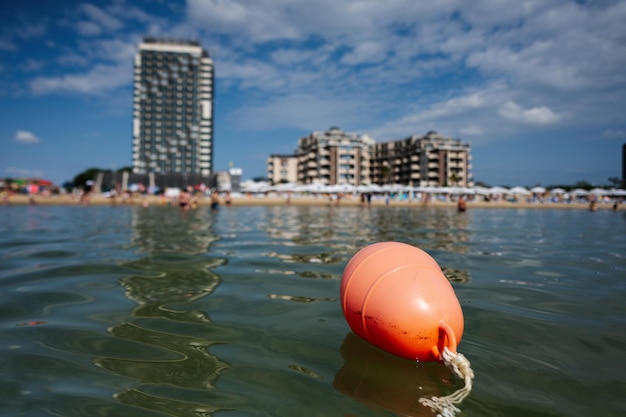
x=445, y=406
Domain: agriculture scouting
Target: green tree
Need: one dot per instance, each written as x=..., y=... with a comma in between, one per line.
x=454, y=179
x=89, y=174
x=616, y=182
x=584, y=185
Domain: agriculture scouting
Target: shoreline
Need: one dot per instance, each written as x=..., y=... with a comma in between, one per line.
x=346, y=201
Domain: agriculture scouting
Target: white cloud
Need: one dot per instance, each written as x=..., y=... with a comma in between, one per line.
x=24, y=172
x=472, y=130
x=366, y=52
x=534, y=116
x=24, y=136
x=291, y=56
x=32, y=65
x=29, y=30
x=614, y=133
x=451, y=107
x=265, y=20
x=88, y=28
x=306, y=112
x=465, y=114
x=101, y=18
x=98, y=79
x=7, y=45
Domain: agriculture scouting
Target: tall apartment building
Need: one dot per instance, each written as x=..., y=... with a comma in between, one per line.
x=624, y=165
x=428, y=161
x=172, y=108
x=334, y=157
x=282, y=168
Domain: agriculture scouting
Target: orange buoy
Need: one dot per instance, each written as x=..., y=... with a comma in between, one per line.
x=396, y=297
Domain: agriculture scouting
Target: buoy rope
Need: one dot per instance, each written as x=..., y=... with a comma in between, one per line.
x=445, y=406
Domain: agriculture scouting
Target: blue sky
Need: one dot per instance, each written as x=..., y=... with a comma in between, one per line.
x=537, y=87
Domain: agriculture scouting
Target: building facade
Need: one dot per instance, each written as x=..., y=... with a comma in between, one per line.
x=431, y=160
x=623, y=166
x=172, y=109
x=334, y=157
x=282, y=168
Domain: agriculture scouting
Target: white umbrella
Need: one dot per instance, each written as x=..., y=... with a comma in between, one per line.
x=373, y=188
x=579, y=191
x=617, y=192
x=283, y=187
x=340, y=188
x=481, y=190
x=311, y=188
x=499, y=190
x=254, y=186
x=393, y=187
x=557, y=191
x=538, y=190
x=423, y=189
x=520, y=190
x=599, y=191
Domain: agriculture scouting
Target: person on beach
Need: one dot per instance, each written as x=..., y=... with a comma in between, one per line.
x=461, y=206
x=184, y=201
x=215, y=200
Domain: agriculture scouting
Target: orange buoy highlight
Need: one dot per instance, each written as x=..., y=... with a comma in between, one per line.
x=396, y=297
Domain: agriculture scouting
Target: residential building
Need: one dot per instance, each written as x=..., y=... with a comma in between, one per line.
x=334, y=157
x=429, y=160
x=235, y=179
x=623, y=185
x=337, y=157
x=282, y=168
x=173, y=109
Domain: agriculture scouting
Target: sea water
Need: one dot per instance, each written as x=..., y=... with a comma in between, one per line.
x=150, y=311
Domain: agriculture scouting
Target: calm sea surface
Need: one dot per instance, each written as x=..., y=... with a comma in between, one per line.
x=131, y=311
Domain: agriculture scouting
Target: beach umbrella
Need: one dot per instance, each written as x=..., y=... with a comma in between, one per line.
x=499, y=190
x=481, y=190
x=520, y=191
x=599, y=191
x=368, y=188
x=458, y=190
x=617, y=192
x=452, y=190
x=283, y=187
x=538, y=190
x=254, y=186
x=393, y=188
x=579, y=191
x=557, y=191
x=423, y=189
x=340, y=188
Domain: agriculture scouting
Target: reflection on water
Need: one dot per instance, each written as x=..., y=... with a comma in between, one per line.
x=386, y=382
x=176, y=273
x=108, y=311
x=356, y=227
x=158, y=229
x=169, y=281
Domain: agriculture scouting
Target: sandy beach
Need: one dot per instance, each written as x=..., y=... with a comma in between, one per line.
x=275, y=200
